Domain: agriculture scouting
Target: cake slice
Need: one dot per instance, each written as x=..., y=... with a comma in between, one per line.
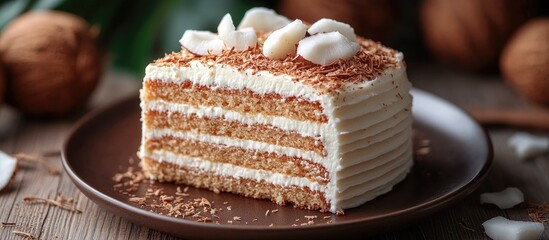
x=325, y=137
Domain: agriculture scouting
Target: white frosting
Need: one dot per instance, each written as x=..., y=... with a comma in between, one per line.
x=367, y=138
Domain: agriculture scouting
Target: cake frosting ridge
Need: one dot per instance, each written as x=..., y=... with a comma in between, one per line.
x=325, y=137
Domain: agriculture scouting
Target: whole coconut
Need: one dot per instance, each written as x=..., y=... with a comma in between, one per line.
x=525, y=61
x=470, y=34
x=370, y=18
x=52, y=62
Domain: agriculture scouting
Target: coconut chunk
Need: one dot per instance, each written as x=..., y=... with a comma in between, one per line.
x=263, y=20
x=527, y=145
x=283, y=41
x=326, y=48
x=8, y=167
x=505, y=199
x=241, y=39
x=226, y=25
x=202, y=42
x=326, y=25
x=501, y=228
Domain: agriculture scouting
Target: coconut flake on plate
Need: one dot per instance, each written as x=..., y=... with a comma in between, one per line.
x=501, y=228
x=8, y=167
x=527, y=145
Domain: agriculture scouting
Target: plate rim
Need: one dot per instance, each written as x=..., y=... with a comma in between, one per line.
x=419, y=210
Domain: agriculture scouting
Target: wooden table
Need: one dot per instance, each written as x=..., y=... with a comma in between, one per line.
x=476, y=93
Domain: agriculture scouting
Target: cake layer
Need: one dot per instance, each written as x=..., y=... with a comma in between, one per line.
x=243, y=101
x=289, y=77
x=379, y=152
x=223, y=76
x=380, y=179
x=305, y=128
x=299, y=196
x=375, y=146
x=230, y=142
x=226, y=169
x=218, y=126
x=272, y=162
x=260, y=89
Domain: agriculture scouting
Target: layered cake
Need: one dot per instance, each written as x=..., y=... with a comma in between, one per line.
x=308, y=115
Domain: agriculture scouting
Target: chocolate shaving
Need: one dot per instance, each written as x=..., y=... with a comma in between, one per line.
x=60, y=202
x=465, y=224
x=39, y=158
x=538, y=212
x=24, y=234
x=372, y=60
x=8, y=224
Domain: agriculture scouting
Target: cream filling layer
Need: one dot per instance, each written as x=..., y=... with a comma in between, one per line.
x=241, y=143
x=369, y=189
x=230, y=170
x=224, y=76
x=374, y=147
x=305, y=128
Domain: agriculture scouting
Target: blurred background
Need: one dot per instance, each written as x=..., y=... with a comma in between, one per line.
x=136, y=32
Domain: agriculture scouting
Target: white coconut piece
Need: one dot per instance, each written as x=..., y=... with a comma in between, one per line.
x=527, y=145
x=241, y=39
x=283, y=41
x=505, y=199
x=500, y=228
x=226, y=25
x=202, y=42
x=263, y=20
x=326, y=25
x=325, y=48
x=8, y=165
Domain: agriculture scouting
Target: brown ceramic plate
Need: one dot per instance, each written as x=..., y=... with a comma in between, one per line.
x=460, y=155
